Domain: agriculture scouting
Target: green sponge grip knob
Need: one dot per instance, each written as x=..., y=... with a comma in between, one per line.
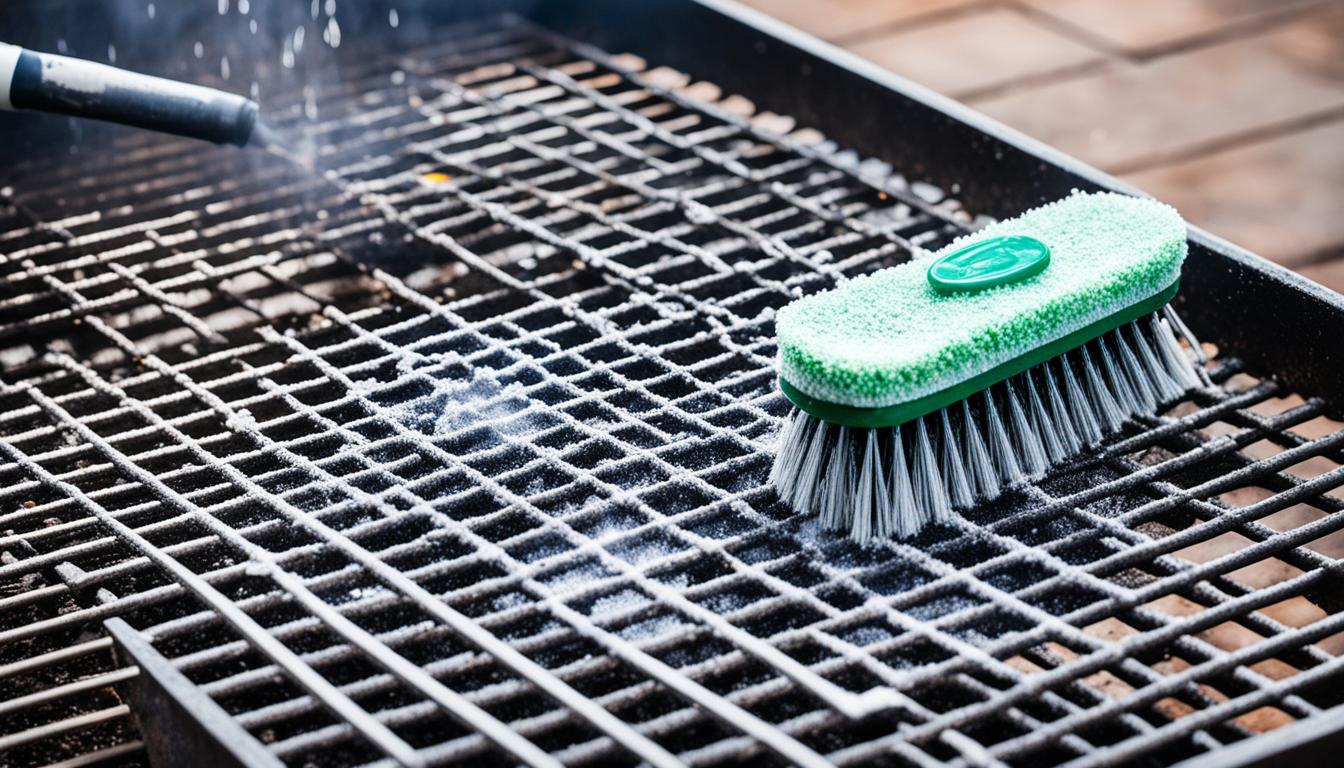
x=988, y=263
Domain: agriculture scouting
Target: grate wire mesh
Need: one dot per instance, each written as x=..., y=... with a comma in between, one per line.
x=454, y=450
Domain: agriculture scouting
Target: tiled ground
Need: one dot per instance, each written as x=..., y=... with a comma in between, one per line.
x=1231, y=110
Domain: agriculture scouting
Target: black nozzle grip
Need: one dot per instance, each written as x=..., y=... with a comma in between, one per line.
x=60, y=84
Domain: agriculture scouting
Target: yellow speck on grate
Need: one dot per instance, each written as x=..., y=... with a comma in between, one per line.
x=430, y=179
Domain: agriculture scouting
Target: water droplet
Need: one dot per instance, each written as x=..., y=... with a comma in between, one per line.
x=223, y=7
x=151, y=10
x=112, y=53
x=244, y=6
x=298, y=39
x=252, y=25
x=393, y=20
x=224, y=67
x=62, y=46
x=333, y=33
x=331, y=7
x=199, y=49
x=927, y=192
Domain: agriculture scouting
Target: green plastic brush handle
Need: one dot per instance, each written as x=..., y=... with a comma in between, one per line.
x=900, y=413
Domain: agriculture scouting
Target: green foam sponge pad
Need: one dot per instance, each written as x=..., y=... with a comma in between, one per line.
x=890, y=337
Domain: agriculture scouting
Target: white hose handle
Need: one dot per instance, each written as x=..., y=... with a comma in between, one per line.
x=9, y=61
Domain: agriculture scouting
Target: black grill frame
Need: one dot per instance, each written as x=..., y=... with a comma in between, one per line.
x=726, y=45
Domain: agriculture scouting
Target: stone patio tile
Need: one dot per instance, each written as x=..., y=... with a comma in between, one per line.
x=974, y=51
x=1120, y=117
x=836, y=19
x=1282, y=198
x=1138, y=26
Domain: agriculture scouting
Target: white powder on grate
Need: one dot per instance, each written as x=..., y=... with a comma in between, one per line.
x=625, y=600
x=455, y=404
x=651, y=628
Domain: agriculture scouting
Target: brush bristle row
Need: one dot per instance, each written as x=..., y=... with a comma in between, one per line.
x=874, y=483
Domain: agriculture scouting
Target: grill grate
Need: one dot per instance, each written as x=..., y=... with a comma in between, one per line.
x=486, y=408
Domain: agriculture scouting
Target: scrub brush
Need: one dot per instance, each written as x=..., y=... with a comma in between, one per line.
x=936, y=384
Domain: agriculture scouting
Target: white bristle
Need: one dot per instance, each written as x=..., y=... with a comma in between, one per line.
x=1110, y=415
x=954, y=468
x=1080, y=408
x=870, y=480
x=791, y=447
x=1173, y=357
x=1166, y=388
x=1045, y=430
x=811, y=470
x=925, y=479
x=1134, y=373
x=1030, y=452
x=1001, y=450
x=1059, y=414
x=1125, y=396
x=837, y=508
x=979, y=467
x=906, y=519
x=1156, y=333
x=874, y=483
x=1193, y=351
